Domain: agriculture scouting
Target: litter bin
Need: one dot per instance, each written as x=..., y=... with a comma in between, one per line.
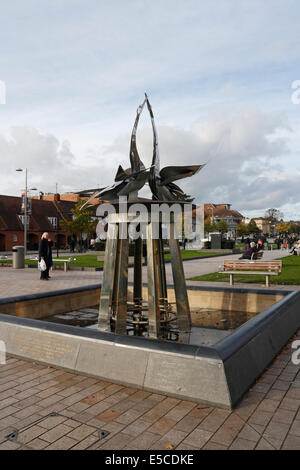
x=18, y=257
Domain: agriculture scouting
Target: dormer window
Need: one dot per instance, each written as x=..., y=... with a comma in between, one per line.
x=53, y=221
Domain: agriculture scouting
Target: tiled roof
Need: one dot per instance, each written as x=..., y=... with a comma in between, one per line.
x=221, y=211
x=10, y=208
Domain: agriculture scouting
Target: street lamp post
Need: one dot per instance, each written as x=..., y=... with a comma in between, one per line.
x=25, y=210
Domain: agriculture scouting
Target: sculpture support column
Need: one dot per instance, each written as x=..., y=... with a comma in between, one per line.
x=182, y=301
x=154, y=291
x=121, y=285
x=108, y=279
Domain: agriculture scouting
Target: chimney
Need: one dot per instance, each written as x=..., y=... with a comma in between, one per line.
x=56, y=197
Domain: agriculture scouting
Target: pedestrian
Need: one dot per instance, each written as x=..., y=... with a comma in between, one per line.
x=44, y=254
x=249, y=251
x=50, y=242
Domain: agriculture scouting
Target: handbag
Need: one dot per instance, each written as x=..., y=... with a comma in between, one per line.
x=42, y=265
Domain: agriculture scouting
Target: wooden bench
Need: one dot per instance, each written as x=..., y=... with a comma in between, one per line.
x=65, y=261
x=267, y=268
x=257, y=255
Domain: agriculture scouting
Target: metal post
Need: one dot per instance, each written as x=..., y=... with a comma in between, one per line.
x=153, y=284
x=137, y=276
x=108, y=278
x=121, y=285
x=25, y=216
x=182, y=301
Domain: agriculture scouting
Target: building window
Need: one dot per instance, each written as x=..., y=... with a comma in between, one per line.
x=53, y=221
x=15, y=238
x=22, y=218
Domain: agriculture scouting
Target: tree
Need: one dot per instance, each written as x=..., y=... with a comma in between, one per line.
x=242, y=229
x=294, y=228
x=82, y=220
x=222, y=226
x=252, y=227
x=209, y=226
x=273, y=215
x=282, y=227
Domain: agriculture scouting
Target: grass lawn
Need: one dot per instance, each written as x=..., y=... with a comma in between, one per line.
x=290, y=275
x=186, y=254
x=90, y=260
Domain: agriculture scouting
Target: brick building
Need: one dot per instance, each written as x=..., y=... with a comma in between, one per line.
x=218, y=212
x=45, y=216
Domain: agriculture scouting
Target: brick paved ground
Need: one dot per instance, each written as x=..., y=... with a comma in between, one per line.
x=267, y=418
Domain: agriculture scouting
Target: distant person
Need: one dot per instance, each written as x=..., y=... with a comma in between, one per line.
x=45, y=254
x=260, y=245
x=72, y=245
x=248, y=241
x=249, y=251
x=50, y=242
x=295, y=249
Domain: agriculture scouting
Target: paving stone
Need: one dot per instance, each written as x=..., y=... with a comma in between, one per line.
x=185, y=446
x=7, y=401
x=56, y=433
x=64, y=443
x=87, y=442
x=162, y=426
x=29, y=434
x=268, y=405
x=291, y=443
x=229, y=430
x=52, y=421
x=260, y=417
x=242, y=444
x=274, y=394
x=249, y=433
x=144, y=440
x=38, y=444
x=172, y=438
x=281, y=385
x=108, y=415
x=9, y=445
x=28, y=411
x=26, y=402
x=72, y=423
x=284, y=416
x=178, y=412
x=188, y=424
x=81, y=432
x=275, y=433
x=129, y=416
x=117, y=442
x=295, y=428
x=264, y=445
x=214, y=420
x=290, y=404
x=198, y=438
x=137, y=427
x=213, y=446
x=9, y=410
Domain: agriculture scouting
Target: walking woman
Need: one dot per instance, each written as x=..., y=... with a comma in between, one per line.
x=44, y=254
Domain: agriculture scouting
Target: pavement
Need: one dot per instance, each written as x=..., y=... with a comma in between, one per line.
x=14, y=282
x=48, y=408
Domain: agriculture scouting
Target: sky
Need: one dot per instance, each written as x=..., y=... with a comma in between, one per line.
x=219, y=76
